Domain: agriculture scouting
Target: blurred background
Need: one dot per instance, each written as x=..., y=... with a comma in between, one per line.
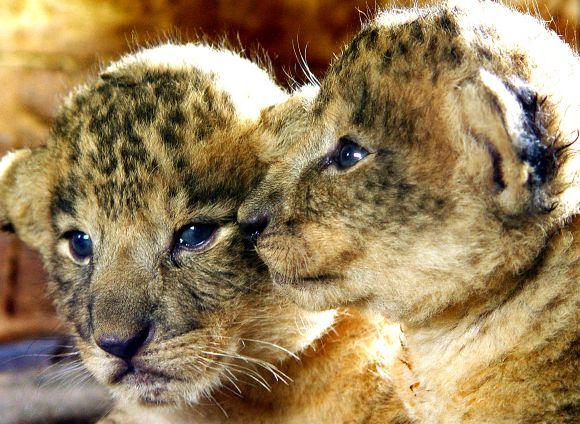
x=49, y=46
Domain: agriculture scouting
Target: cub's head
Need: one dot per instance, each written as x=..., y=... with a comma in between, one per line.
x=438, y=153
x=132, y=205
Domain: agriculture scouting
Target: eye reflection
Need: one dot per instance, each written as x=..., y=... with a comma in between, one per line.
x=349, y=153
x=195, y=236
x=80, y=245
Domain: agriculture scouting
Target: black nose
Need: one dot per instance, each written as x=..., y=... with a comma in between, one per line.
x=254, y=226
x=124, y=348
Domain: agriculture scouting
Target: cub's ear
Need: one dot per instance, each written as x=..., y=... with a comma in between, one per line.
x=281, y=123
x=8, y=166
x=23, y=191
x=504, y=119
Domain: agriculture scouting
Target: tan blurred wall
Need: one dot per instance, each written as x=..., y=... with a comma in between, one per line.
x=49, y=46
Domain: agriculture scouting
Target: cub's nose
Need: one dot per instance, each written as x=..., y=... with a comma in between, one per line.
x=124, y=347
x=254, y=225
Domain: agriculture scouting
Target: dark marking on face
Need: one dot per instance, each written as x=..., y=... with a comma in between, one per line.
x=63, y=199
x=371, y=38
x=321, y=101
x=360, y=114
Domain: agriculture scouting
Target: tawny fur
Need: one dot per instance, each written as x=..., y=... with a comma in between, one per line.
x=461, y=223
x=162, y=139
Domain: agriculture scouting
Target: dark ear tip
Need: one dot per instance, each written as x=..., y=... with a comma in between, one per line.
x=8, y=228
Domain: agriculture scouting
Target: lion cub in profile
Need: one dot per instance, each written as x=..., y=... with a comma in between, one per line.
x=132, y=205
x=435, y=179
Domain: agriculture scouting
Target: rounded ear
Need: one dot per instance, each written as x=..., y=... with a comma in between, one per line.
x=23, y=191
x=504, y=118
x=8, y=169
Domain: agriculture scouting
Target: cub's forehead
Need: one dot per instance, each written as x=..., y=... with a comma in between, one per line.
x=438, y=46
x=143, y=128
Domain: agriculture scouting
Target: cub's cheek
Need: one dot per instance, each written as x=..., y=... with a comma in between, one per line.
x=336, y=249
x=309, y=249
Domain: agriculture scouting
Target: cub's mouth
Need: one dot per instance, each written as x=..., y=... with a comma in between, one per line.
x=152, y=385
x=151, y=380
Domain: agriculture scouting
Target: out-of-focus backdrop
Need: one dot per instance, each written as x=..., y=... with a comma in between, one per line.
x=49, y=46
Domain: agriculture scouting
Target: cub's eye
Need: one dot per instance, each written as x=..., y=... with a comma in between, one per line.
x=80, y=245
x=349, y=153
x=195, y=236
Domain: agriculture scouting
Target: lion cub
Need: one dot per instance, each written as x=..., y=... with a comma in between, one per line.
x=132, y=205
x=435, y=179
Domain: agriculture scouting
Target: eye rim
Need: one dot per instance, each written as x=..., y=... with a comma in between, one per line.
x=78, y=258
x=334, y=157
x=200, y=247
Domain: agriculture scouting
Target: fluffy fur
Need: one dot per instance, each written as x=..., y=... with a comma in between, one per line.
x=461, y=223
x=162, y=139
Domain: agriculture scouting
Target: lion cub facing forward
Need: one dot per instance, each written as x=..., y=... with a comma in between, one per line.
x=435, y=179
x=132, y=205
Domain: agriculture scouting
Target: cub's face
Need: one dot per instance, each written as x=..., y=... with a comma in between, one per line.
x=132, y=205
x=426, y=169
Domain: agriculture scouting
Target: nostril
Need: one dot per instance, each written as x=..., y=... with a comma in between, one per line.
x=255, y=225
x=124, y=347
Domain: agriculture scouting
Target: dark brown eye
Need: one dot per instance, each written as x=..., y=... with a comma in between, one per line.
x=349, y=153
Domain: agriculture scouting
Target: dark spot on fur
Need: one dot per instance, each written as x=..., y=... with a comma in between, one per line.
x=387, y=59
x=404, y=190
x=181, y=162
x=170, y=136
x=447, y=23
x=371, y=38
x=145, y=112
x=172, y=192
x=359, y=116
x=455, y=56
x=484, y=53
x=122, y=81
x=63, y=199
x=176, y=117
x=402, y=48
x=417, y=32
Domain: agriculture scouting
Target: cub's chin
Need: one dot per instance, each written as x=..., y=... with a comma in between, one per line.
x=150, y=391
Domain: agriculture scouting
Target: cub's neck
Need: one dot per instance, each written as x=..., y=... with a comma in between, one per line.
x=515, y=360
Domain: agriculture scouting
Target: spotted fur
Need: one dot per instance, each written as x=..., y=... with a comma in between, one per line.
x=461, y=223
x=164, y=138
